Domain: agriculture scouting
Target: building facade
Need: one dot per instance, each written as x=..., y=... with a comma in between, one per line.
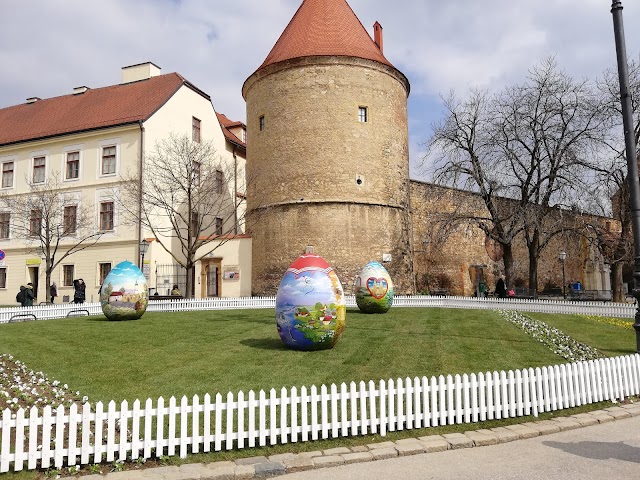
x=88, y=141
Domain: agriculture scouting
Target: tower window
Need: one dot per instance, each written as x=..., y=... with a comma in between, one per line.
x=261, y=122
x=363, y=114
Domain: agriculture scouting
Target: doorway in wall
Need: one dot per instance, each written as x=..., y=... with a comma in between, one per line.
x=33, y=278
x=210, y=278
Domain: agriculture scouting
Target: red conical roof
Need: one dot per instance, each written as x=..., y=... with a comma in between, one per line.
x=324, y=28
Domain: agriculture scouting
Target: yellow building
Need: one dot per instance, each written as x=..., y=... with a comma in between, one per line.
x=88, y=140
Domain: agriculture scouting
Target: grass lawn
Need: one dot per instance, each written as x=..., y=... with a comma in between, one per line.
x=219, y=351
x=611, y=340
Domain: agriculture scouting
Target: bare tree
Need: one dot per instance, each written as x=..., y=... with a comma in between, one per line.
x=53, y=221
x=463, y=151
x=617, y=245
x=548, y=131
x=526, y=151
x=185, y=201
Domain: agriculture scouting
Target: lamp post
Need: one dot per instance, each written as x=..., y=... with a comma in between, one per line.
x=144, y=246
x=630, y=150
x=563, y=256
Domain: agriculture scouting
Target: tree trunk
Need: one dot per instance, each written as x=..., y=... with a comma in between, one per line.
x=533, y=247
x=616, y=282
x=507, y=260
x=190, y=287
x=47, y=283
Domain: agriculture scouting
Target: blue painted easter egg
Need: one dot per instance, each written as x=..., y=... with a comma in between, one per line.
x=310, y=305
x=123, y=294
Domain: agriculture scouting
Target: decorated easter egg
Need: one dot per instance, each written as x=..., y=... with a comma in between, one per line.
x=310, y=305
x=123, y=294
x=374, y=289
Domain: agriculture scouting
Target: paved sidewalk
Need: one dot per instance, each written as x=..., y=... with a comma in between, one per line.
x=288, y=463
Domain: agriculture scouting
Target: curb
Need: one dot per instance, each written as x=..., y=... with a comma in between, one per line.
x=281, y=464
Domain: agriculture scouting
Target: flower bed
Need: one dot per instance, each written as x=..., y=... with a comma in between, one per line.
x=24, y=388
x=558, y=342
x=618, y=322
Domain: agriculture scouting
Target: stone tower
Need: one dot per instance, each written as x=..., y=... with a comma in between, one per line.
x=327, y=156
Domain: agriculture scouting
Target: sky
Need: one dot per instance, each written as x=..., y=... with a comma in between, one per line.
x=49, y=47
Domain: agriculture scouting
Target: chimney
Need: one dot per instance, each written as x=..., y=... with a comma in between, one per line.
x=377, y=36
x=79, y=90
x=140, y=71
x=33, y=99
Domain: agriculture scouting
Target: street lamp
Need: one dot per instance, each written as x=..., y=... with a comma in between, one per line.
x=630, y=150
x=563, y=256
x=144, y=246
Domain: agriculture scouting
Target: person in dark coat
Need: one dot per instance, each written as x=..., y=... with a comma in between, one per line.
x=53, y=291
x=28, y=295
x=501, y=288
x=79, y=291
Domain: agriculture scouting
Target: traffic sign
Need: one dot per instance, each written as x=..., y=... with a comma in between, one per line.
x=2, y=255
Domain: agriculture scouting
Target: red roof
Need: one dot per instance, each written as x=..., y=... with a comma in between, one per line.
x=324, y=28
x=96, y=108
x=226, y=123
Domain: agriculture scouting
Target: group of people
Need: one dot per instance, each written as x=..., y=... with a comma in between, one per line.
x=26, y=294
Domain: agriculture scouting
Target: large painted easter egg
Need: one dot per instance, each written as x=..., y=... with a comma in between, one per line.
x=123, y=294
x=310, y=305
x=374, y=289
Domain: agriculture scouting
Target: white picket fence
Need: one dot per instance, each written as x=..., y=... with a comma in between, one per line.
x=48, y=312
x=91, y=434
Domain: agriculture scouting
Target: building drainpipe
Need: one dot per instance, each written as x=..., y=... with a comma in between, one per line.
x=235, y=191
x=140, y=199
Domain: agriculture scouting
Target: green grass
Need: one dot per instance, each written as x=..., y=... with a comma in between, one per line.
x=611, y=340
x=165, y=354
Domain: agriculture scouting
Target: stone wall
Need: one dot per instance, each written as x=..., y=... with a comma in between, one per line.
x=443, y=262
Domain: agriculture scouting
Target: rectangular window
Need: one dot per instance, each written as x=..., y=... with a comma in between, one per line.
x=261, y=123
x=70, y=219
x=195, y=129
x=105, y=268
x=219, y=181
x=67, y=275
x=196, y=172
x=73, y=165
x=109, y=160
x=5, y=221
x=362, y=114
x=195, y=227
x=218, y=226
x=3, y=278
x=35, y=223
x=106, y=216
x=39, y=167
x=7, y=175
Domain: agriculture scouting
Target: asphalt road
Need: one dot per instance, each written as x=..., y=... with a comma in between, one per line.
x=606, y=451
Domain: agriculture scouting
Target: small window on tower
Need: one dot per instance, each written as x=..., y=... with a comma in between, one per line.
x=261, y=121
x=363, y=114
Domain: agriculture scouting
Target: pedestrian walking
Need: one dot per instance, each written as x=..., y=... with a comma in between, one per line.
x=28, y=295
x=20, y=295
x=53, y=291
x=501, y=288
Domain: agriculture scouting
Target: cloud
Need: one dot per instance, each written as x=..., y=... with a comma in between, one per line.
x=48, y=48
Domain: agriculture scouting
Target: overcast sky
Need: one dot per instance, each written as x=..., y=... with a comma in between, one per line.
x=49, y=47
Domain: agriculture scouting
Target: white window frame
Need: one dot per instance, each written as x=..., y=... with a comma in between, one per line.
x=71, y=149
x=112, y=142
x=8, y=236
x=33, y=166
x=107, y=195
x=62, y=274
x=77, y=207
x=363, y=109
x=4, y=160
x=98, y=283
